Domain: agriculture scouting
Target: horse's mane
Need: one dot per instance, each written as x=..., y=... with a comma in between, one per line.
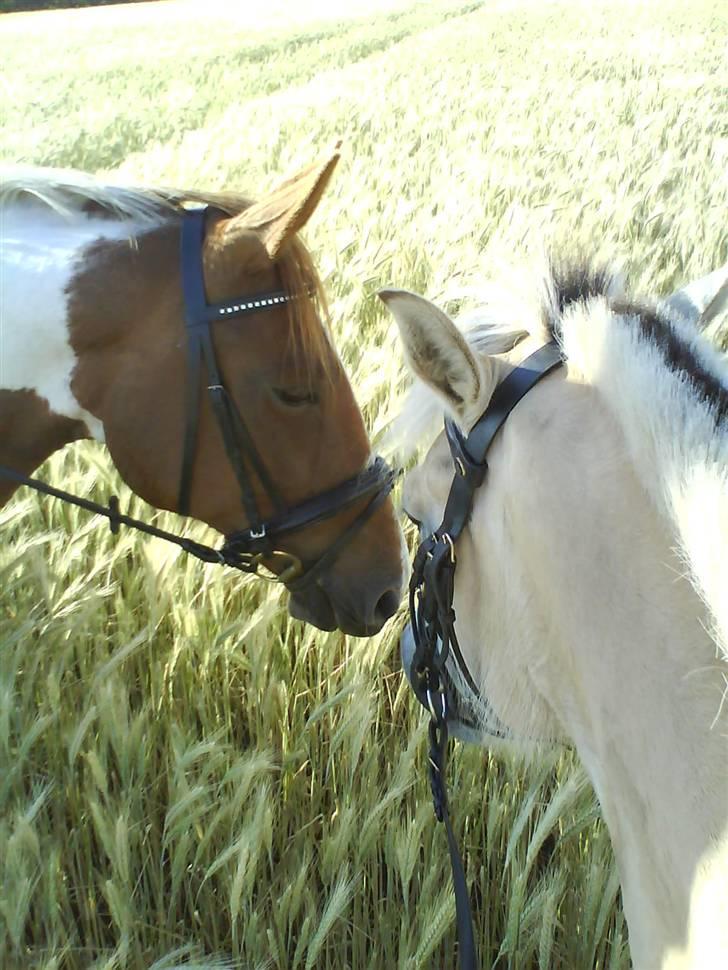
x=663, y=380
x=70, y=194
x=667, y=386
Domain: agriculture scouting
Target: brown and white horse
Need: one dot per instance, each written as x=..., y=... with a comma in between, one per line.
x=591, y=588
x=93, y=344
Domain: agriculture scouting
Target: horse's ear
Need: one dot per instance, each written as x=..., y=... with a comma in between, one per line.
x=288, y=208
x=440, y=356
x=703, y=300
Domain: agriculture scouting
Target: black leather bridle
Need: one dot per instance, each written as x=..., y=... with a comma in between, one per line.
x=248, y=548
x=257, y=541
x=431, y=603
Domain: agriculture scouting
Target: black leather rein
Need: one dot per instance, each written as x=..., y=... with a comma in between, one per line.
x=248, y=548
x=431, y=603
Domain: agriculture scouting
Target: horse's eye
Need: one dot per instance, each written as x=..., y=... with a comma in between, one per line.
x=295, y=398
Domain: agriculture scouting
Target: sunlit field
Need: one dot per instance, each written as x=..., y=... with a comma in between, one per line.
x=188, y=777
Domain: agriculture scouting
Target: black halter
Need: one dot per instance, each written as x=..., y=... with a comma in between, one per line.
x=247, y=549
x=431, y=597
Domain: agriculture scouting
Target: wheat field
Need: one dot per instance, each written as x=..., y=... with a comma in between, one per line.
x=188, y=778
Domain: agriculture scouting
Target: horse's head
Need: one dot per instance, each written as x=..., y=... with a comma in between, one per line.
x=279, y=370
x=498, y=618
x=559, y=557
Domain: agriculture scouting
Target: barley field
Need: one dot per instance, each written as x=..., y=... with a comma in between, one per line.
x=188, y=778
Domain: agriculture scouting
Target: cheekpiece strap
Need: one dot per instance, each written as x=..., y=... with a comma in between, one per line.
x=469, y=452
x=200, y=350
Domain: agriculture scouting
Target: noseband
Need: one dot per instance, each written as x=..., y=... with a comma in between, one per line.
x=248, y=548
x=431, y=602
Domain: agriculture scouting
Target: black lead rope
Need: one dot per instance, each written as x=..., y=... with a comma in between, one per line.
x=117, y=518
x=433, y=620
x=431, y=603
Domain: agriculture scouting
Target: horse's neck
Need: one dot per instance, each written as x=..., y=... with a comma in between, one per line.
x=38, y=410
x=674, y=420
x=642, y=702
x=613, y=651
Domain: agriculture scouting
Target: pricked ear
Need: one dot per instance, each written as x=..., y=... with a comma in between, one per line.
x=703, y=300
x=440, y=356
x=288, y=208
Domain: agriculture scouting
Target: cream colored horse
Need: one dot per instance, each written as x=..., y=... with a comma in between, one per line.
x=591, y=590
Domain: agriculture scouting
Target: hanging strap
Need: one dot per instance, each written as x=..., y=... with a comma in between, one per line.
x=438, y=735
x=432, y=614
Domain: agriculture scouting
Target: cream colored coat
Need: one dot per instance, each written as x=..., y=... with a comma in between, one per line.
x=592, y=585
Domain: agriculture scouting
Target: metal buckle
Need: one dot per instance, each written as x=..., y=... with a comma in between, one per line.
x=258, y=533
x=446, y=538
x=442, y=715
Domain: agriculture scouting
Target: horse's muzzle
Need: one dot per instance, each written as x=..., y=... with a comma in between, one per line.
x=359, y=617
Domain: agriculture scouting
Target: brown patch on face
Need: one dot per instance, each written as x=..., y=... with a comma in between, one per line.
x=309, y=341
x=127, y=331
x=30, y=432
x=125, y=327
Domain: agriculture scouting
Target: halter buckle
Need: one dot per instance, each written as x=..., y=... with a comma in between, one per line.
x=258, y=533
x=441, y=715
x=447, y=539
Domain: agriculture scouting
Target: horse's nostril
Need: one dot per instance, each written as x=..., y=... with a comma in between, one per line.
x=386, y=606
